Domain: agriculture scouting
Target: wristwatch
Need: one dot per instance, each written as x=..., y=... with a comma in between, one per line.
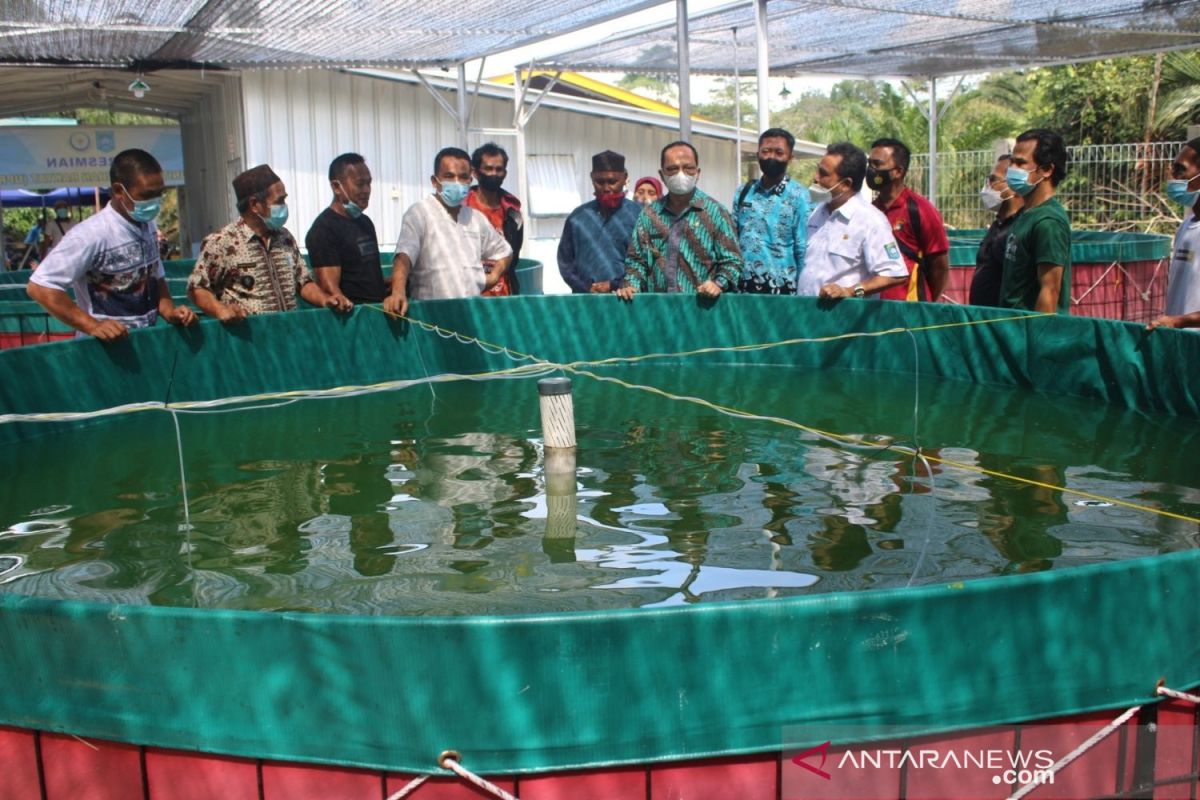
x=859, y=291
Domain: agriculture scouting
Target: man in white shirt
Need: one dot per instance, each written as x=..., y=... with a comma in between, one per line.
x=111, y=260
x=851, y=251
x=445, y=249
x=1183, y=281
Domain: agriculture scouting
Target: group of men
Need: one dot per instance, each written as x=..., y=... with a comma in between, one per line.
x=825, y=240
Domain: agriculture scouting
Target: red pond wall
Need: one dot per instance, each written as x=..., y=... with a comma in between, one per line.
x=1158, y=752
x=1134, y=291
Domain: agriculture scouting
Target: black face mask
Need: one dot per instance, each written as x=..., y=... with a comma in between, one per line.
x=877, y=179
x=491, y=182
x=772, y=167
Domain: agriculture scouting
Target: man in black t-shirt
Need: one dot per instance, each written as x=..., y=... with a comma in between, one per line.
x=341, y=243
x=989, y=259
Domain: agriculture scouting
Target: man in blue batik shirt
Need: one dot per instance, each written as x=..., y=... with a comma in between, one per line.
x=591, y=253
x=771, y=215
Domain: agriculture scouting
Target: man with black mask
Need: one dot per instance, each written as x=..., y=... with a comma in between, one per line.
x=771, y=219
x=916, y=224
x=489, y=164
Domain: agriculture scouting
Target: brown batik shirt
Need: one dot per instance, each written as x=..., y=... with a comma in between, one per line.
x=261, y=275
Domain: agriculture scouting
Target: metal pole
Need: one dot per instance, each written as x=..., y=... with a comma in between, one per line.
x=522, y=153
x=764, y=64
x=462, y=106
x=933, y=129
x=685, y=90
x=737, y=113
x=3, y=240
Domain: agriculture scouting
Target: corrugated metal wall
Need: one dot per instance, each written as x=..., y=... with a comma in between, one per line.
x=212, y=156
x=299, y=120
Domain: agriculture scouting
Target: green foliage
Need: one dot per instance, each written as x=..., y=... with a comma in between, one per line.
x=720, y=107
x=1179, y=95
x=652, y=86
x=1100, y=102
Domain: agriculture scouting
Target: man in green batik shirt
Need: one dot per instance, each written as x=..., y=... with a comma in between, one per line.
x=1037, y=260
x=684, y=242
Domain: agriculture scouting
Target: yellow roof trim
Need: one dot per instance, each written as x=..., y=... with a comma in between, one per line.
x=614, y=93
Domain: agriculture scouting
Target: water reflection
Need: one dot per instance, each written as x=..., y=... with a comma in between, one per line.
x=378, y=507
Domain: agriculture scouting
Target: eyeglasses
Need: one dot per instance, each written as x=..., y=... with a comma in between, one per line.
x=675, y=169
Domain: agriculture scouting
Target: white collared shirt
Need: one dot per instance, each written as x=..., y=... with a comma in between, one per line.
x=848, y=246
x=1183, y=283
x=447, y=255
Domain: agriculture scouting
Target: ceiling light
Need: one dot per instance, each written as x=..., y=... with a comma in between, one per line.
x=139, y=87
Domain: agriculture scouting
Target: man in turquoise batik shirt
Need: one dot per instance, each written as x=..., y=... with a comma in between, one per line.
x=771, y=215
x=684, y=242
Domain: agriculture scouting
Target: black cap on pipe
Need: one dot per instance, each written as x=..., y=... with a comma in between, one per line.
x=552, y=386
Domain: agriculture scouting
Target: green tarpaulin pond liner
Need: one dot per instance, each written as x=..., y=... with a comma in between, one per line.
x=540, y=692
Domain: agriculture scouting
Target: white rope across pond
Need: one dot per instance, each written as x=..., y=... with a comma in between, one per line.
x=1095, y=739
x=449, y=760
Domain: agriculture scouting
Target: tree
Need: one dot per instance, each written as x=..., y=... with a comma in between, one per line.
x=720, y=106
x=1179, y=96
x=1101, y=102
x=664, y=90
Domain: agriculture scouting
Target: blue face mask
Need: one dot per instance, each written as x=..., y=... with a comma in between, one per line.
x=278, y=217
x=453, y=193
x=1018, y=180
x=352, y=208
x=1178, y=192
x=144, y=210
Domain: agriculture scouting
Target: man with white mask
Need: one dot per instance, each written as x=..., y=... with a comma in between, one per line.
x=989, y=259
x=684, y=242
x=851, y=251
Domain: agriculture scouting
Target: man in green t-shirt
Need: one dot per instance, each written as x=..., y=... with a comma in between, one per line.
x=1037, y=260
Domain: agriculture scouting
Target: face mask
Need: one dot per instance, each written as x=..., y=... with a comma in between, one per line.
x=818, y=194
x=278, y=217
x=610, y=201
x=878, y=180
x=62, y=214
x=144, y=210
x=491, y=183
x=991, y=198
x=352, y=208
x=1178, y=192
x=772, y=167
x=1018, y=180
x=453, y=193
x=680, y=183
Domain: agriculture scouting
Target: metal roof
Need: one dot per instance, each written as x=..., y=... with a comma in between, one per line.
x=903, y=38
x=258, y=33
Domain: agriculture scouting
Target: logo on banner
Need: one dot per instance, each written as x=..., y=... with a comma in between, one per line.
x=80, y=141
x=106, y=141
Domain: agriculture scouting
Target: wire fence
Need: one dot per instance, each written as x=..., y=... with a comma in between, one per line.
x=1114, y=188
x=1109, y=187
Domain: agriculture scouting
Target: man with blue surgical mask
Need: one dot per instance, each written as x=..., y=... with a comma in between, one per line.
x=342, y=244
x=111, y=260
x=1183, y=281
x=446, y=249
x=252, y=265
x=1037, y=257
